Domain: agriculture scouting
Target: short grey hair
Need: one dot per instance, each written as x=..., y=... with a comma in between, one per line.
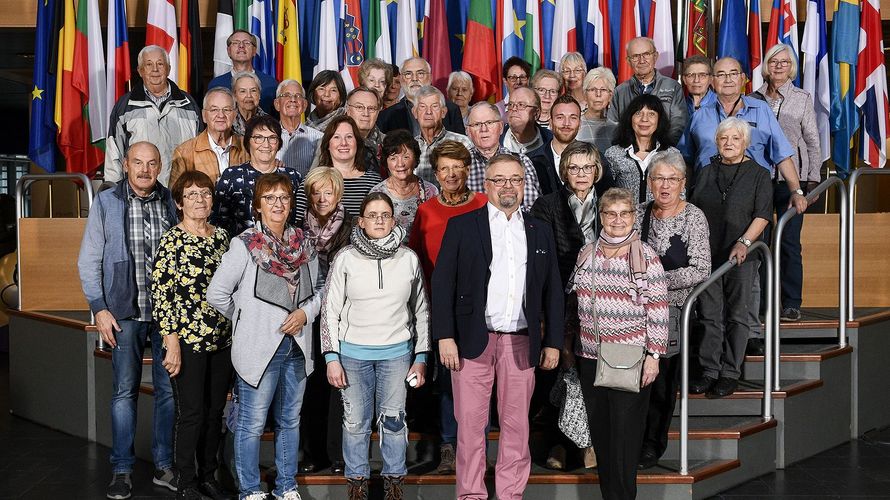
x=428, y=90
x=217, y=90
x=670, y=158
x=456, y=76
x=286, y=83
x=426, y=63
x=484, y=105
x=617, y=195
x=773, y=52
x=643, y=38
x=600, y=73
x=741, y=126
x=545, y=73
x=151, y=48
x=246, y=74
x=572, y=57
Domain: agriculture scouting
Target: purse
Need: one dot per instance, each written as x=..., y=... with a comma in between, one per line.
x=566, y=395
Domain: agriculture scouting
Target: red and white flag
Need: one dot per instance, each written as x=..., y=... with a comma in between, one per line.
x=117, y=53
x=871, y=86
x=630, y=29
x=661, y=31
x=564, y=35
x=598, y=16
x=160, y=30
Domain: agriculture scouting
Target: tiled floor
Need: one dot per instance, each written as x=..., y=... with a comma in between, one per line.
x=39, y=463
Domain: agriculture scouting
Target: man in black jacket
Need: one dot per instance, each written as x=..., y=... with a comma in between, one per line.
x=415, y=74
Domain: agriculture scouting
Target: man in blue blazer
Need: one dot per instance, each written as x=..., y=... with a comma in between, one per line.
x=498, y=312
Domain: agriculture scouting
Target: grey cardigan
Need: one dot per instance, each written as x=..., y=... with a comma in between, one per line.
x=258, y=302
x=797, y=118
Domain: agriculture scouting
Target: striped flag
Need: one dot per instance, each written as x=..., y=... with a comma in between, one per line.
x=630, y=29
x=287, y=43
x=435, y=43
x=696, y=32
x=352, y=44
x=42, y=136
x=548, y=13
x=844, y=54
x=406, y=31
x=328, y=55
x=783, y=28
x=262, y=25
x=224, y=27
x=190, y=49
x=565, y=38
x=160, y=30
x=480, y=53
x=89, y=68
x=532, y=42
x=117, y=53
x=379, y=44
x=661, y=31
x=508, y=34
x=871, y=87
x=815, y=69
x=755, y=46
x=598, y=19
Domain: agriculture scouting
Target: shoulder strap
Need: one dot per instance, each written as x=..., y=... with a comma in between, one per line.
x=647, y=219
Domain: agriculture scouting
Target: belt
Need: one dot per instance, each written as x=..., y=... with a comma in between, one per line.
x=524, y=331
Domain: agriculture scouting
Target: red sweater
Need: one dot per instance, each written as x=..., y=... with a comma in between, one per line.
x=429, y=228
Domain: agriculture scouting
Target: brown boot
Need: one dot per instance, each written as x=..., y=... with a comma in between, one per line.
x=392, y=488
x=446, y=459
x=356, y=488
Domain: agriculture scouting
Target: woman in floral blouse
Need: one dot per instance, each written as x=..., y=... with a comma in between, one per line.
x=196, y=336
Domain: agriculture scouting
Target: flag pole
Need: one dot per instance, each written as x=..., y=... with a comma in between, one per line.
x=682, y=14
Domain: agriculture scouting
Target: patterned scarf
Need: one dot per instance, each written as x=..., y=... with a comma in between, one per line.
x=279, y=257
x=382, y=248
x=638, y=263
x=320, y=236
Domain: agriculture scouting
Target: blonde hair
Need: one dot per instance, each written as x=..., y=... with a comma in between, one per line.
x=320, y=176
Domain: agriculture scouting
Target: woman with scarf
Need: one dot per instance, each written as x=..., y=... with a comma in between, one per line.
x=375, y=337
x=268, y=285
x=327, y=228
x=619, y=290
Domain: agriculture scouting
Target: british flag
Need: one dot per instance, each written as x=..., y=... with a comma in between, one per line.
x=871, y=86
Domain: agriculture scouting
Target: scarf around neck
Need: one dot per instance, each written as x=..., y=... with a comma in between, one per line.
x=638, y=264
x=322, y=236
x=279, y=257
x=382, y=248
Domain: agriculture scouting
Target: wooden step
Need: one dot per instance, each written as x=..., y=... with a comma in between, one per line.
x=753, y=389
x=805, y=353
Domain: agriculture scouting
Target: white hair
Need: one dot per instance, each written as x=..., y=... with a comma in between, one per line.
x=151, y=48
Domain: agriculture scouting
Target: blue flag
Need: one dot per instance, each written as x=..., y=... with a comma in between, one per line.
x=456, y=11
x=844, y=118
x=548, y=11
x=42, y=140
x=732, y=41
x=310, y=22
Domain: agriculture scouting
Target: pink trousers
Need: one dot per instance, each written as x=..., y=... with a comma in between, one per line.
x=504, y=360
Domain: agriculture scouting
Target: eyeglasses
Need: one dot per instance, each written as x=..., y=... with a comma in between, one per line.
x=638, y=57
x=486, y=124
x=624, y=214
x=419, y=74
x=545, y=92
x=779, y=63
x=216, y=111
x=287, y=96
x=670, y=181
x=502, y=181
x=573, y=72
x=599, y=91
x=519, y=106
x=242, y=43
x=362, y=109
x=259, y=139
x=574, y=169
x=732, y=75
x=517, y=78
x=195, y=195
x=272, y=199
x=374, y=216
x=696, y=76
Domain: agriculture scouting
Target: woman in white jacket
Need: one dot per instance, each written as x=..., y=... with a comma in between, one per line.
x=267, y=285
x=375, y=336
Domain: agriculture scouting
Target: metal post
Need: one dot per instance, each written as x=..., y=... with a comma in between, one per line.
x=770, y=332
x=851, y=229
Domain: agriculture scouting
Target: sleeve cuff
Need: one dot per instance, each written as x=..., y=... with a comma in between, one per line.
x=331, y=356
x=420, y=358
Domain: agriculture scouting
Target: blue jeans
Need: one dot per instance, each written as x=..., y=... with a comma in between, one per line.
x=126, y=363
x=282, y=384
x=385, y=380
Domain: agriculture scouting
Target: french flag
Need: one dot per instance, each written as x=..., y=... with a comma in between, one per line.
x=598, y=17
x=117, y=53
x=871, y=86
x=160, y=30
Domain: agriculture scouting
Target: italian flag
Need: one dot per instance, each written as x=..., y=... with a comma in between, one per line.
x=532, y=37
x=379, y=45
x=480, y=52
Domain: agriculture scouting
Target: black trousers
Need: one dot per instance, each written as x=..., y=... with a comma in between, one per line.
x=662, y=401
x=616, y=420
x=792, y=262
x=199, y=395
x=321, y=418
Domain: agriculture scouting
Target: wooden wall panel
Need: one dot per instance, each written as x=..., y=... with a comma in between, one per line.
x=48, y=277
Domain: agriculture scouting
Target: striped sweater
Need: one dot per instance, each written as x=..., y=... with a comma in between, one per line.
x=603, y=287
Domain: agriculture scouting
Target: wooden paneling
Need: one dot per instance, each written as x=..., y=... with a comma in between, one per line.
x=48, y=277
x=820, y=260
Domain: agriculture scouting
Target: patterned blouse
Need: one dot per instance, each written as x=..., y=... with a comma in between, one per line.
x=233, y=199
x=183, y=267
x=406, y=208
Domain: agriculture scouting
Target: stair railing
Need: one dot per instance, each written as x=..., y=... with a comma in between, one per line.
x=851, y=229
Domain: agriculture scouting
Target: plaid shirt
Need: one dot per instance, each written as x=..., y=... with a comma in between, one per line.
x=424, y=170
x=476, y=181
x=136, y=209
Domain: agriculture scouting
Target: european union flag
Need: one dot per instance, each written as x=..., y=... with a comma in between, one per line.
x=42, y=140
x=732, y=41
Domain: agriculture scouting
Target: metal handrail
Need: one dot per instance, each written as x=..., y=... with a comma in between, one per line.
x=842, y=264
x=851, y=229
x=684, y=351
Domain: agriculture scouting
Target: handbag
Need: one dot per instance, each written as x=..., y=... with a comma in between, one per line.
x=566, y=395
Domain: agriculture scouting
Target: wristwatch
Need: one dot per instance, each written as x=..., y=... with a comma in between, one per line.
x=654, y=355
x=745, y=241
x=798, y=191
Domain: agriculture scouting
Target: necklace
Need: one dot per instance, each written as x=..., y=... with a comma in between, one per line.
x=460, y=201
x=203, y=230
x=403, y=193
x=728, y=188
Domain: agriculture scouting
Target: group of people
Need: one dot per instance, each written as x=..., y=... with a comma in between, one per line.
x=400, y=236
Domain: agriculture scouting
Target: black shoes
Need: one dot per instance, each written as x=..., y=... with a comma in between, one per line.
x=722, y=388
x=338, y=467
x=648, y=459
x=790, y=314
x=212, y=489
x=165, y=478
x=307, y=467
x=755, y=347
x=189, y=493
x=701, y=384
x=120, y=487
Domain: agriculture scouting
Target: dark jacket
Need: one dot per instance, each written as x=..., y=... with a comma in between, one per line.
x=460, y=286
x=399, y=116
x=542, y=159
x=554, y=210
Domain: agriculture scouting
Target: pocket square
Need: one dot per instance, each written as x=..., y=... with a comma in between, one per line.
x=540, y=251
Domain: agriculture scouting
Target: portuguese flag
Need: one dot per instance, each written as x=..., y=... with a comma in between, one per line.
x=480, y=54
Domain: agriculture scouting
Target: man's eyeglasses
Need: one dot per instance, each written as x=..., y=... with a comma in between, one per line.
x=638, y=57
x=486, y=124
x=242, y=43
x=216, y=111
x=362, y=109
x=519, y=106
x=502, y=181
x=287, y=96
x=732, y=75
